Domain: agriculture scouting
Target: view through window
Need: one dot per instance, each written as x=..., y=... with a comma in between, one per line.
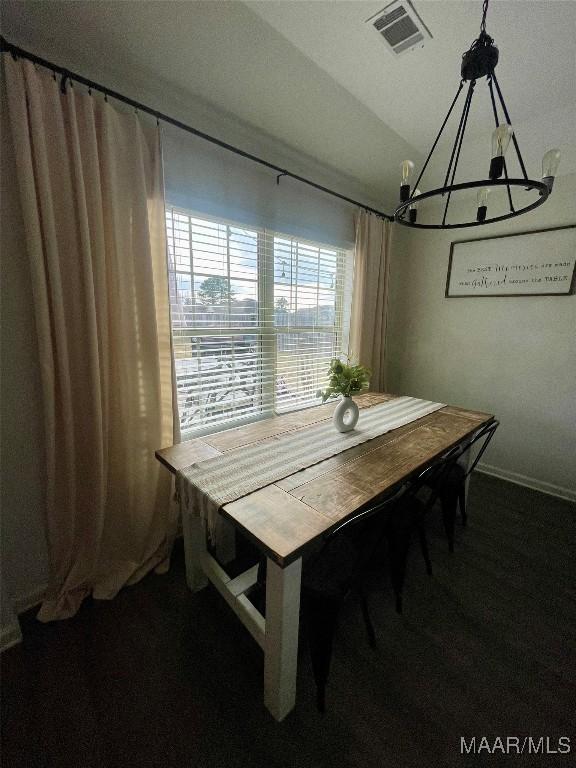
x=256, y=318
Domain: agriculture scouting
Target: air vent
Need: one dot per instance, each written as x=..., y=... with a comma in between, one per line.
x=400, y=27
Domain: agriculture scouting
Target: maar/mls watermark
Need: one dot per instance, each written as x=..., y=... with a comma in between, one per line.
x=515, y=745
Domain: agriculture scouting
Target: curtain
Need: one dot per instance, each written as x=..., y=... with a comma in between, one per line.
x=370, y=296
x=90, y=182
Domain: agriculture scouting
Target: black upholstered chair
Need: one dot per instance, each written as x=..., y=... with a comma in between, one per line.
x=335, y=572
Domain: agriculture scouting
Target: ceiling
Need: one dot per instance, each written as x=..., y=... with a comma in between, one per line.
x=316, y=77
x=411, y=93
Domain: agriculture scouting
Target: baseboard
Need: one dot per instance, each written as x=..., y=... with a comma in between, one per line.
x=528, y=482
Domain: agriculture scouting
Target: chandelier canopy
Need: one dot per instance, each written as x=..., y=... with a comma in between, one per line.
x=478, y=62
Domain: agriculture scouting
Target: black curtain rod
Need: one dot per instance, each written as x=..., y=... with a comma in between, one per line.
x=14, y=50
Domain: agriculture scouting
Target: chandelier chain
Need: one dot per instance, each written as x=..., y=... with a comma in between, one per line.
x=484, y=12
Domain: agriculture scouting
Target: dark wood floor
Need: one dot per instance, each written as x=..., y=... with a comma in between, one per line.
x=162, y=677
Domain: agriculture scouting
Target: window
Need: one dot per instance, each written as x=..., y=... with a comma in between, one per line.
x=256, y=317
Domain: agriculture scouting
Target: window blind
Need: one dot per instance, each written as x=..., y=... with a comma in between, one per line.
x=256, y=318
x=310, y=300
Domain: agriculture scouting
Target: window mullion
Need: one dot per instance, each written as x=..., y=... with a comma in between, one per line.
x=268, y=346
x=318, y=291
x=228, y=275
x=193, y=307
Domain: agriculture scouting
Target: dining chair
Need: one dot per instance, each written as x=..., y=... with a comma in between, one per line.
x=409, y=517
x=334, y=573
x=453, y=491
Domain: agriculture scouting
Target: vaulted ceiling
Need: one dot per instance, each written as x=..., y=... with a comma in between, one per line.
x=411, y=93
x=314, y=75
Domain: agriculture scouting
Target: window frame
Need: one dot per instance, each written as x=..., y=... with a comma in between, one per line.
x=266, y=329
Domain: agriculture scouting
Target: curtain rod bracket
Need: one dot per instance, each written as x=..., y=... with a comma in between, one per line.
x=65, y=78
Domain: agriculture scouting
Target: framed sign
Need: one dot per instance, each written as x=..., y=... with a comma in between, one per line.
x=539, y=263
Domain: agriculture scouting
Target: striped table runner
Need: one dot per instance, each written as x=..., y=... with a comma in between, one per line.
x=206, y=486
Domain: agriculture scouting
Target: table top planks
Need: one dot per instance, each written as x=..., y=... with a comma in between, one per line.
x=285, y=518
x=177, y=457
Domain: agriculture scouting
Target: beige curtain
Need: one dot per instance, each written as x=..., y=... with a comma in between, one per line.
x=370, y=296
x=90, y=181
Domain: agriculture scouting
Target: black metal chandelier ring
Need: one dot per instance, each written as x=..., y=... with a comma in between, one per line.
x=542, y=187
x=478, y=62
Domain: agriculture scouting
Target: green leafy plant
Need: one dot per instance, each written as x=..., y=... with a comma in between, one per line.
x=344, y=380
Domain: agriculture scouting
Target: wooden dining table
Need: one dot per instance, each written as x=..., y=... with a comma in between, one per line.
x=287, y=518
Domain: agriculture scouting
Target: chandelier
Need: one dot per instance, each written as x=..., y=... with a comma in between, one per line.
x=478, y=62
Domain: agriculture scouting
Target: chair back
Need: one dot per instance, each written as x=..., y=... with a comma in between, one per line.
x=433, y=478
x=365, y=514
x=486, y=433
x=366, y=528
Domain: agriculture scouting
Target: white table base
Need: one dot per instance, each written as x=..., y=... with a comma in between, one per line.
x=277, y=634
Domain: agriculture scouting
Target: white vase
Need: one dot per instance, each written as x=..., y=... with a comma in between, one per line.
x=346, y=414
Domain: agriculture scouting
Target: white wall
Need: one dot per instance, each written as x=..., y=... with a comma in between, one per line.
x=514, y=357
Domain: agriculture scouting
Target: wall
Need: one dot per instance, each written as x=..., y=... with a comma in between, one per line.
x=514, y=357
x=86, y=37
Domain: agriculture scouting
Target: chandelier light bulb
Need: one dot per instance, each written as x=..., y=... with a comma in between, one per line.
x=550, y=163
x=482, y=200
x=413, y=207
x=407, y=169
x=500, y=140
x=482, y=196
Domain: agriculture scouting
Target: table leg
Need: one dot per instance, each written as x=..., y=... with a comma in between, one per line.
x=194, y=529
x=281, y=639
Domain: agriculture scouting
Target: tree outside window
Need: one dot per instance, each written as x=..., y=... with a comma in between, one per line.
x=215, y=290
